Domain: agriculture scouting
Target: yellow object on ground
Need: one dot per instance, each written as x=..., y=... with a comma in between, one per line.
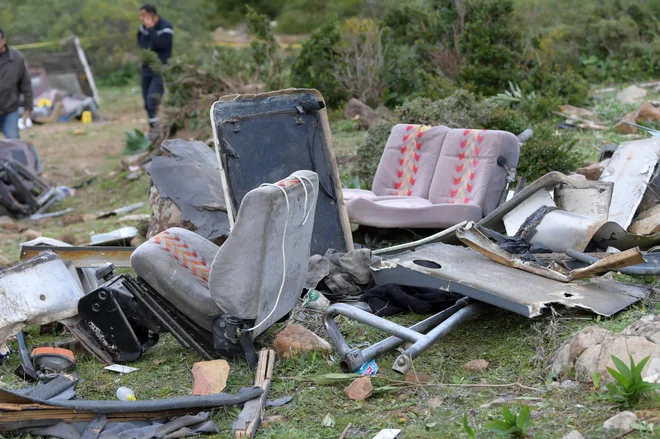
x=86, y=117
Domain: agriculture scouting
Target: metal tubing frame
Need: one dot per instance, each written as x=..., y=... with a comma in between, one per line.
x=353, y=359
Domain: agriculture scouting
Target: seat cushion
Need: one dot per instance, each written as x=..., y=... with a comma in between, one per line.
x=467, y=171
x=412, y=212
x=352, y=194
x=409, y=160
x=176, y=263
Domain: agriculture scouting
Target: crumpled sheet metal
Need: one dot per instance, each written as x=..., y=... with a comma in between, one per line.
x=464, y=271
x=630, y=169
x=476, y=240
x=35, y=292
x=191, y=179
x=494, y=220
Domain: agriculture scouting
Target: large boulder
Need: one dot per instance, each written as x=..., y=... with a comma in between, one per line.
x=364, y=114
x=591, y=350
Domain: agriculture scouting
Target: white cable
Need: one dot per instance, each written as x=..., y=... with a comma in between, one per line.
x=301, y=178
x=286, y=225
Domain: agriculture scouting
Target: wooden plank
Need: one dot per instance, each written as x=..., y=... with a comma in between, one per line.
x=263, y=379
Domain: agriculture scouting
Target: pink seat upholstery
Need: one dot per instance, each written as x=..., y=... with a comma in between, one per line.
x=466, y=183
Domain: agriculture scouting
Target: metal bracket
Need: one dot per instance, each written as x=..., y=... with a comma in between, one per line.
x=437, y=326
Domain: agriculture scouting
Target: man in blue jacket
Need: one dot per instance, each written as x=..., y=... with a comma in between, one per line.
x=155, y=34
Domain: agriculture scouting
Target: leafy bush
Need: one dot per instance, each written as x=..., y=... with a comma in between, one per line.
x=135, y=141
x=124, y=75
x=346, y=126
x=513, y=425
x=490, y=46
x=547, y=151
x=629, y=386
x=315, y=66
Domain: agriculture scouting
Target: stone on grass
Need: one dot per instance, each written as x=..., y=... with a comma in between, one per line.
x=593, y=172
x=632, y=94
x=570, y=385
x=295, y=339
x=476, y=365
x=362, y=113
x=620, y=422
x=573, y=435
x=210, y=377
x=31, y=234
x=417, y=378
x=360, y=389
x=589, y=336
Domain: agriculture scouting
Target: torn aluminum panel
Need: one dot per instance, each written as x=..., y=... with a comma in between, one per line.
x=494, y=220
x=630, y=169
x=476, y=240
x=612, y=234
x=121, y=237
x=464, y=271
x=191, y=180
x=267, y=137
x=517, y=217
x=36, y=292
x=559, y=230
x=592, y=201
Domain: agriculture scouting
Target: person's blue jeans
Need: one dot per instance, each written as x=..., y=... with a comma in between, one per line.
x=9, y=124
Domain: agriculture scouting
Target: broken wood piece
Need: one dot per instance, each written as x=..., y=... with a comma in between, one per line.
x=250, y=417
x=647, y=222
x=475, y=239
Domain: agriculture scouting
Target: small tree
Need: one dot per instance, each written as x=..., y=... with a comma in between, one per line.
x=361, y=55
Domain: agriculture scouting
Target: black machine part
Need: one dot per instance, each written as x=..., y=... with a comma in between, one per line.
x=125, y=317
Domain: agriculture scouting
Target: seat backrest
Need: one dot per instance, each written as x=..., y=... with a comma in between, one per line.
x=467, y=171
x=408, y=162
x=270, y=242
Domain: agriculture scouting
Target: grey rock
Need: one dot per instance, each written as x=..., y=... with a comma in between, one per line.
x=631, y=94
x=573, y=435
x=570, y=385
x=620, y=422
x=364, y=114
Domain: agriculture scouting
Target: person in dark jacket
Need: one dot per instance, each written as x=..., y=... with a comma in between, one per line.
x=14, y=81
x=155, y=34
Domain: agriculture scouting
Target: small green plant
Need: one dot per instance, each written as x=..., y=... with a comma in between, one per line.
x=513, y=425
x=595, y=379
x=345, y=126
x=468, y=430
x=629, y=386
x=135, y=141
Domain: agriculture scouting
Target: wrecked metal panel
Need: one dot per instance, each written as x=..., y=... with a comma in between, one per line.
x=517, y=217
x=476, y=240
x=121, y=237
x=36, y=292
x=191, y=180
x=265, y=138
x=612, y=234
x=494, y=220
x=559, y=230
x=83, y=257
x=464, y=271
x=593, y=201
x=630, y=169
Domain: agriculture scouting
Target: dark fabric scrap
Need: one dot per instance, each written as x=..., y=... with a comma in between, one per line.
x=389, y=300
x=184, y=426
x=340, y=276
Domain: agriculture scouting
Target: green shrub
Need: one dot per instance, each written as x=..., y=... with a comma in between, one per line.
x=513, y=425
x=345, y=126
x=315, y=66
x=370, y=151
x=505, y=120
x=491, y=47
x=548, y=150
x=460, y=110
